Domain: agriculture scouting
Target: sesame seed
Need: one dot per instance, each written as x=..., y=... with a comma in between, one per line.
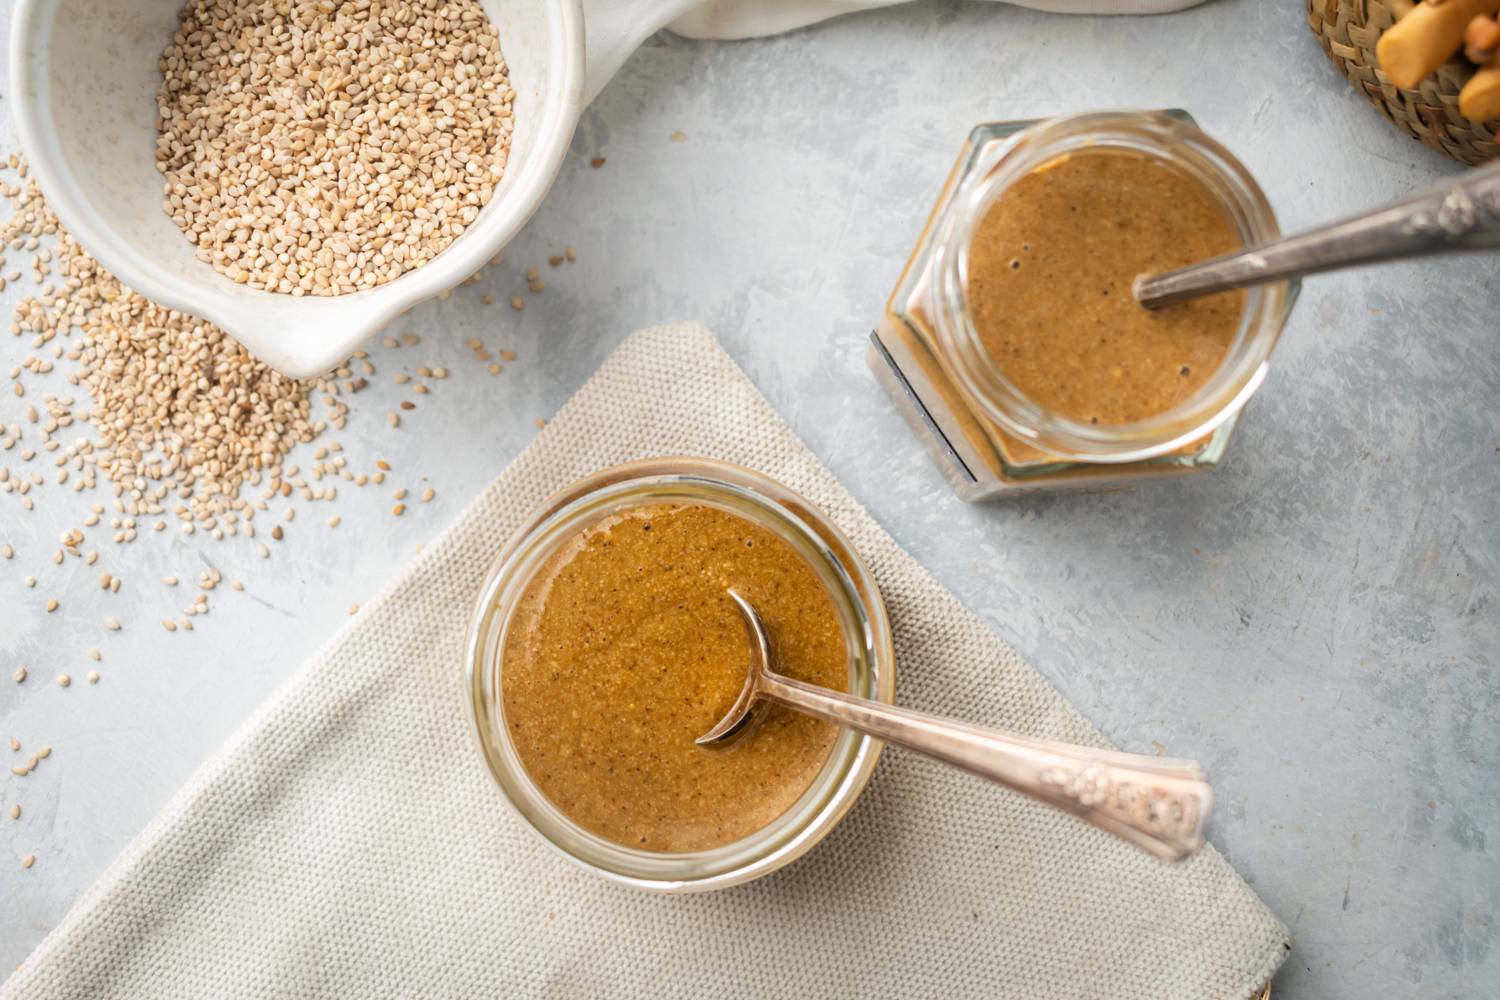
x=93, y=677
x=28, y=861
x=63, y=680
x=399, y=509
x=428, y=494
x=19, y=676
x=223, y=114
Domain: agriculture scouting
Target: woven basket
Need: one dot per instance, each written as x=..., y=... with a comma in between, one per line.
x=1348, y=30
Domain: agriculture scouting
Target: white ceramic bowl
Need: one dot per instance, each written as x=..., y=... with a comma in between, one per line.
x=83, y=91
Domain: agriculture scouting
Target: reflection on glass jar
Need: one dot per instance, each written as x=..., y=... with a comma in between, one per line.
x=1011, y=341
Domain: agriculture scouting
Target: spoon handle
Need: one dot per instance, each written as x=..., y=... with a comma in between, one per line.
x=1157, y=803
x=1459, y=215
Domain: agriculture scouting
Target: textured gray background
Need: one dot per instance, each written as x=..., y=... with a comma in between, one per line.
x=1317, y=622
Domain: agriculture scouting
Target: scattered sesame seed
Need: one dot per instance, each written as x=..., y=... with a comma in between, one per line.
x=15, y=811
x=354, y=609
x=399, y=509
x=93, y=677
x=19, y=676
x=112, y=623
x=169, y=625
x=28, y=861
x=63, y=680
x=428, y=494
x=518, y=303
x=597, y=162
x=333, y=522
x=51, y=605
x=95, y=655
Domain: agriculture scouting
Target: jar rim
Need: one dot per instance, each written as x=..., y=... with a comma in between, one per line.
x=748, y=493
x=1169, y=136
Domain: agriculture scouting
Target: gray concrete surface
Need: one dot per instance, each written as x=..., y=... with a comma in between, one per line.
x=1317, y=622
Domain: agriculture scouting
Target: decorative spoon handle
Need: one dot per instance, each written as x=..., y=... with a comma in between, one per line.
x=1157, y=803
x=1459, y=215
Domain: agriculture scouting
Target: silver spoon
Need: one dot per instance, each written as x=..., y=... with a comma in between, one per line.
x=1156, y=803
x=1456, y=216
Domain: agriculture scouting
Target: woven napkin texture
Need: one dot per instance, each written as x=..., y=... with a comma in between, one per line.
x=349, y=842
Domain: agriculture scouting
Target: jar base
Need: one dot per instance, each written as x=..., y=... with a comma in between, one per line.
x=967, y=457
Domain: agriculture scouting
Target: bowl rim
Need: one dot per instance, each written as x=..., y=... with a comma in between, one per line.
x=281, y=345
x=861, y=759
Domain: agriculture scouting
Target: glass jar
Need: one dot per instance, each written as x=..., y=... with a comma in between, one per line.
x=990, y=439
x=872, y=672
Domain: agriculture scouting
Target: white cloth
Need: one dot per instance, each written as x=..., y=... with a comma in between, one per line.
x=350, y=843
x=616, y=28
x=754, y=18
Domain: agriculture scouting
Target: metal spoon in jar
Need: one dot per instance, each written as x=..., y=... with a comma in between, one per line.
x=1156, y=803
x=1453, y=217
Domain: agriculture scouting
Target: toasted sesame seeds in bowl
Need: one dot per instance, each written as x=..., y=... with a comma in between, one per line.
x=92, y=139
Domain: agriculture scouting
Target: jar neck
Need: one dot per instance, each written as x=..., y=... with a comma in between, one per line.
x=1167, y=136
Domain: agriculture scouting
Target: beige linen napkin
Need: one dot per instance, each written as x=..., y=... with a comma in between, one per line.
x=349, y=842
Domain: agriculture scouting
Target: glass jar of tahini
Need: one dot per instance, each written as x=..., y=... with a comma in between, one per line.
x=1012, y=342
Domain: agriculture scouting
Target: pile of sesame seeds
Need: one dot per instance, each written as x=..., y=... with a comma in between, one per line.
x=165, y=423
x=183, y=417
x=317, y=148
